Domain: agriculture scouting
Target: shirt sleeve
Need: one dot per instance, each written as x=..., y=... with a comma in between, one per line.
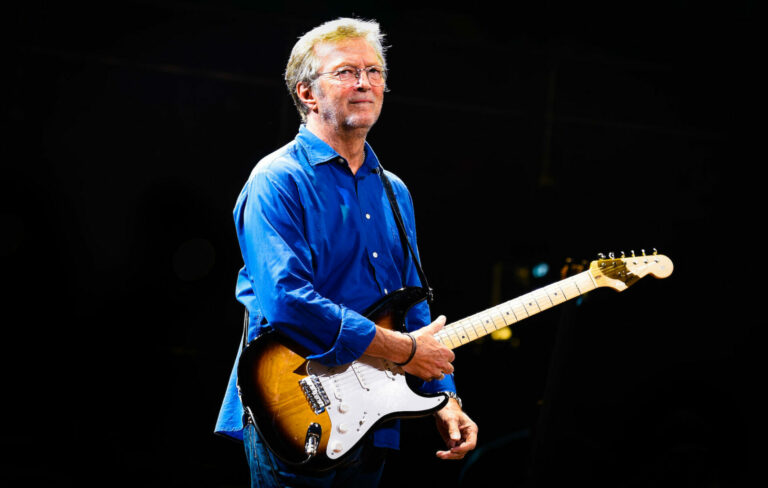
x=278, y=262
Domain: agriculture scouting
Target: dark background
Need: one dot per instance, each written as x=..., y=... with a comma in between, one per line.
x=534, y=133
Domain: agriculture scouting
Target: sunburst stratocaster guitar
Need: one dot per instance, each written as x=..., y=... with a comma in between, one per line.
x=311, y=415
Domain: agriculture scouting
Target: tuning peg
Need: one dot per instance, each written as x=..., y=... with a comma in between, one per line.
x=622, y=254
x=601, y=255
x=610, y=255
x=642, y=251
x=655, y=252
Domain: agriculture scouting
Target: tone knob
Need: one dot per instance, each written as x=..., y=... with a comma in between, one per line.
x=337, y=447
x=342, y=428
x=343, y=408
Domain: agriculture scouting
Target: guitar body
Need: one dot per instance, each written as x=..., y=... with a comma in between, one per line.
x=291, y=399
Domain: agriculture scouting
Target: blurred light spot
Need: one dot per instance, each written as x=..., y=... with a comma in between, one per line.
x=193, y=259
x=540, y=270
x=501, y=334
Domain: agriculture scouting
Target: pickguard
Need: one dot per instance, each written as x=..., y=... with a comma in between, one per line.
x=362, y=394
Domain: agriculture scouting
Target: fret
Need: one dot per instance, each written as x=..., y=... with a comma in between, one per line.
x=488, y=323
x=585, y=282
x=543, y=301
x=555, y=294
x=507, y=314
x=470, y=332
x=519, y=309
x=479, y=326
x=444, y=339
x=498, y=319
x=570, y=290
x=530, y=305
x=455, y=337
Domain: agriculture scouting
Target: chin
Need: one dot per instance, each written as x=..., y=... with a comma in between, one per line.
x=359, y=122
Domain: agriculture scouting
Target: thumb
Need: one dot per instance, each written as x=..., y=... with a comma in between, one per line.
x=435, y=326
x=454, y=433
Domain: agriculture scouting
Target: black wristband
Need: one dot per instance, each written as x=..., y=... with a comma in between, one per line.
x=413, y=350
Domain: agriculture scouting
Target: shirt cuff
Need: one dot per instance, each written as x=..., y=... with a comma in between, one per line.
x=355, y=335
x=436, y=386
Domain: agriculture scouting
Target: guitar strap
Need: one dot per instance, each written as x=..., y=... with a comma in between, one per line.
x=403, y=236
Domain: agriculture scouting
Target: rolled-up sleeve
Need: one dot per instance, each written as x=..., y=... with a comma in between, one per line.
x=278, y=262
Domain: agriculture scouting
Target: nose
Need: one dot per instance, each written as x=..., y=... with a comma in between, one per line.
x=362, y=83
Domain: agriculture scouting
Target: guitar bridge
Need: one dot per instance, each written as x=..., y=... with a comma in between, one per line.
x=315, y=393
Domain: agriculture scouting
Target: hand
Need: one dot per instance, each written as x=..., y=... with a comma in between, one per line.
x=457, y=430
x=432, y=359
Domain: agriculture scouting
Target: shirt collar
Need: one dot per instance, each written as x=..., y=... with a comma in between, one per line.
x=318, y=151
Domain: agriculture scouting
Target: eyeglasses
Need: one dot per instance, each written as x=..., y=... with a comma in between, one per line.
x=348, y=75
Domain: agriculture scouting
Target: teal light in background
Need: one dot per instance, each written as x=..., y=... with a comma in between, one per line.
x=540, y=270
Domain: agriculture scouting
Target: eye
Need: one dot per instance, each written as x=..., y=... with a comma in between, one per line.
x=375, y=74
x=346, y=73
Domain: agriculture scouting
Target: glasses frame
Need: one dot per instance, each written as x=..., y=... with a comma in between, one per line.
x=358, y=74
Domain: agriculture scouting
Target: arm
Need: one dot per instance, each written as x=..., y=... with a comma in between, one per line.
x=269, y=219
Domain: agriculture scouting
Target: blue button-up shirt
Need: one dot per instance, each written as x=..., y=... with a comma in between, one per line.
x=320, y=245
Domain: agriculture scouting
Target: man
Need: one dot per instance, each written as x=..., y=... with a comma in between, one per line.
x=320, y=244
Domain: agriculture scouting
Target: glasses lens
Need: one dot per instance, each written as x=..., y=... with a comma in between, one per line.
x=375, y=76
x=347, y=75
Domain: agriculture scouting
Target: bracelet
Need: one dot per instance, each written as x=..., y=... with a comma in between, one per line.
x=453, y=395
x=413, y=350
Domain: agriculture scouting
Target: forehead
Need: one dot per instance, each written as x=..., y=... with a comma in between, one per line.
x=347, y=52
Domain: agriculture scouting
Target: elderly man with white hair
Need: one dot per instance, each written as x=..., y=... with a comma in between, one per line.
x=317, y=224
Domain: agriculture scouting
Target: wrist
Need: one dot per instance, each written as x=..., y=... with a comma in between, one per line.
x=412, y=352
x=453, y=395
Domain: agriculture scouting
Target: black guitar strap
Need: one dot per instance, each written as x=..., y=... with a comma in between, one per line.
x=403, y=236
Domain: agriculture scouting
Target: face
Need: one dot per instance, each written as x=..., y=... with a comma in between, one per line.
x=343, y=106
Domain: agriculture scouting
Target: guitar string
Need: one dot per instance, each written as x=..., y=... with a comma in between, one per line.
x=471, y=322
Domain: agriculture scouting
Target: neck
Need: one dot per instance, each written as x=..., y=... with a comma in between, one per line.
x=348, y=142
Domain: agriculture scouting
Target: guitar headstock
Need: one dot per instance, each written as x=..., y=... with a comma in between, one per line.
x=622, y=272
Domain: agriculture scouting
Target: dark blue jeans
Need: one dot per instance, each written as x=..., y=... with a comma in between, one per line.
x=362, y=469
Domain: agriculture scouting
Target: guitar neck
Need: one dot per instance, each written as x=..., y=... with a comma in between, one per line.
x=483, y=323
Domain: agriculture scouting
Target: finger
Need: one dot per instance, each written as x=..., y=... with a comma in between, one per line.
x=453, y=432
x=471, y=437
x=450, y=455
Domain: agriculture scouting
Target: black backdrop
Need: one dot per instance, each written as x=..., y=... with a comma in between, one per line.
x=531, y=134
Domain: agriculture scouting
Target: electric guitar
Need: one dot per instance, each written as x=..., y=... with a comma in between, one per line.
x=311, y=415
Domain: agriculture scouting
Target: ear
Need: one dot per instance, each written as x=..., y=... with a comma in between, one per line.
x=307, y=95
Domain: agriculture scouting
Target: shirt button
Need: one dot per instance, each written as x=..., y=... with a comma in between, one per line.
x=368, y=216
x=375, y=254
x=341, y=160
x=385, y=291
